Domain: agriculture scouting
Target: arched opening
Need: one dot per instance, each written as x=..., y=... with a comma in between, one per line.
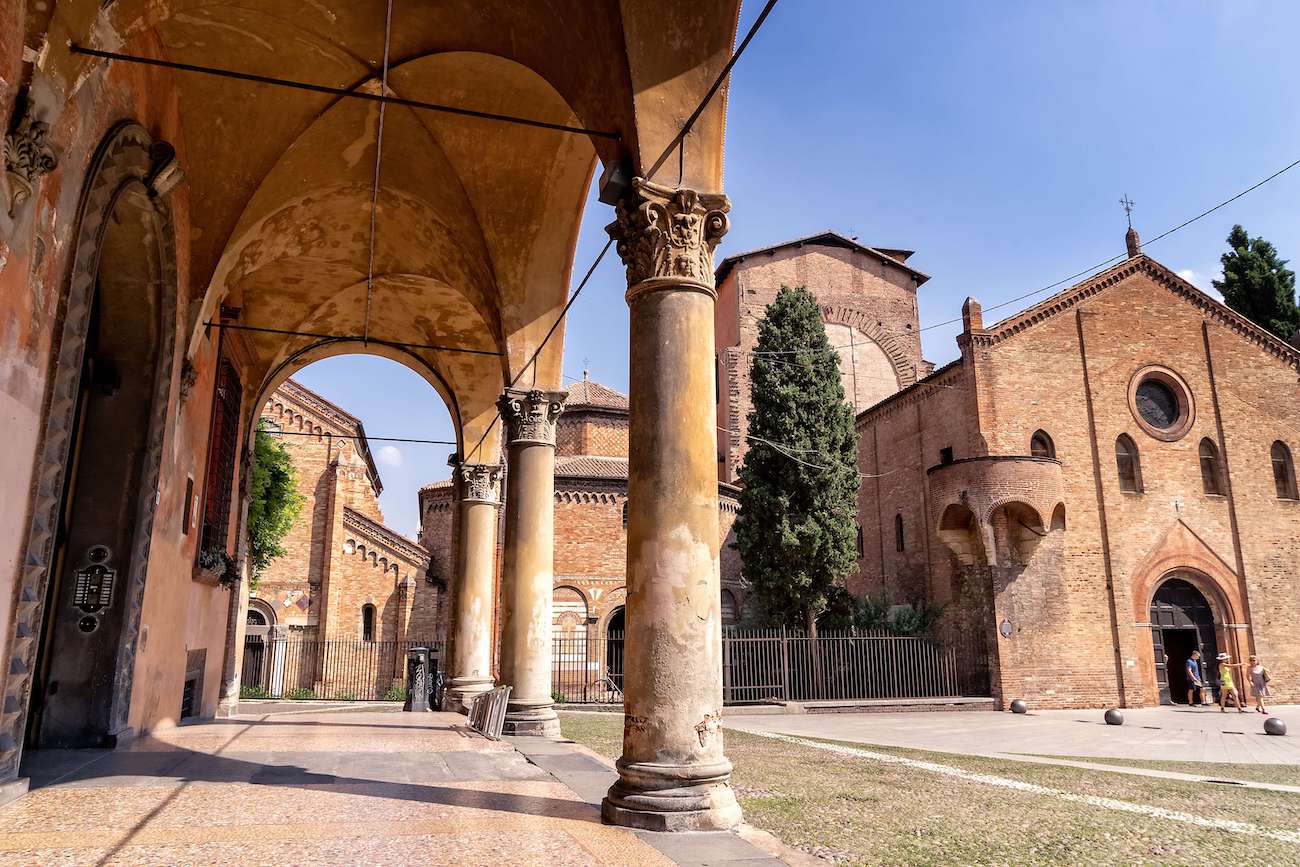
x=900, y=540
x=1283, y=472
x=1058, y=517
x=614, y=631
x=1128, y=465
x=1041, y=445
x=367, y=622
x=104, y=519
x=570, y=650
x=1211, y=471
x=1182, y=621
x=959, y=531
x=1017, y=532
x=730, y=609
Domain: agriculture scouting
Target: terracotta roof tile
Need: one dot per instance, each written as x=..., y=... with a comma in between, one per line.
x=586, y=394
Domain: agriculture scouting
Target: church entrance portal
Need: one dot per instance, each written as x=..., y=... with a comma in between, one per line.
x=1181, y=621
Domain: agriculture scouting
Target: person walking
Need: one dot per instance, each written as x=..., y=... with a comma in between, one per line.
x=1195, y=680
x=1259, y=678
x=1227, y=686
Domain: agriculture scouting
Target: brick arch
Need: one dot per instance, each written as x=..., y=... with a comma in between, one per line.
x=889, y=342
x=1007, y=501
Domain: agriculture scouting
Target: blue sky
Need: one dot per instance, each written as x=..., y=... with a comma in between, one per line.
x=995, y=139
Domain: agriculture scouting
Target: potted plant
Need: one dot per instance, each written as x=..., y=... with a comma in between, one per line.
x=215, y=566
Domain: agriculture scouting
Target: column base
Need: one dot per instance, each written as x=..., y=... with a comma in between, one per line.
x=531, y=720
x=461, y=691
x=657, y=797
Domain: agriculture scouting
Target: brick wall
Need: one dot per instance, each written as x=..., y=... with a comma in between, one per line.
x=1028, y=374
x=868, y=305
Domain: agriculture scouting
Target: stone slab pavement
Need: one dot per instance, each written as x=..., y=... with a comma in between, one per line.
x=326, y=788
x=1162, y=733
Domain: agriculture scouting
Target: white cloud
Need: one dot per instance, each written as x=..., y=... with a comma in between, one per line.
x=1201, y=281
x=389, y=456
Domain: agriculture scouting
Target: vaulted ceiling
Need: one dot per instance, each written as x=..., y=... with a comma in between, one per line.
x=475, y=220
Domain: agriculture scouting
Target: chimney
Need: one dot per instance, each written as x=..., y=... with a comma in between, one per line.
x=1133, y=242
x=972, y=316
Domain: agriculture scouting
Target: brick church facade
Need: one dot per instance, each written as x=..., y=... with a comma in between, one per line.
x=345, y=576
x=1098, y=485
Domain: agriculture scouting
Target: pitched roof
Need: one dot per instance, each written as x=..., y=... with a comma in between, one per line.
x=586, y=394
x=590, y=467
x=398, y=544
x=1079, y=292
x=889, y=255
x=329, y=411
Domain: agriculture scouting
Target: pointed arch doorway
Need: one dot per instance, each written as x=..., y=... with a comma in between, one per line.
x=1182, y=620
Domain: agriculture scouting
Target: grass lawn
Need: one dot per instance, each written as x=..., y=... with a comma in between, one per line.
x=854, y=810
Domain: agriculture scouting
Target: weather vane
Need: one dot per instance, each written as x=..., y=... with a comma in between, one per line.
x=1128, y=209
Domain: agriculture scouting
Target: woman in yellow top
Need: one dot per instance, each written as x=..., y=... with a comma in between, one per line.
x=1227, y=687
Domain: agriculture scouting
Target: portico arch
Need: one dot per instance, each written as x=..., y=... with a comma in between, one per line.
x=1187, y=613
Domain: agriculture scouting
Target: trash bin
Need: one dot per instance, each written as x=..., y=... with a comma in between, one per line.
x=419, y=679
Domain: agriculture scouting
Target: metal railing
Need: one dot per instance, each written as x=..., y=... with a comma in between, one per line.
x=331, y=669
x=780, y=664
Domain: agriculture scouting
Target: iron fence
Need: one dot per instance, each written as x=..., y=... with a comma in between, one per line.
x=766, y=664
x=333, y=669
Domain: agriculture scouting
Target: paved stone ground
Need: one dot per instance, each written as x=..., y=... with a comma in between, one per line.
x=1166, y=733
x=322, y=788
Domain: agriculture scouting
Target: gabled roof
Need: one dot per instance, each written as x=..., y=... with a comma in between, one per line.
x=398, y=544
x=889, y=255
x=586, y=394
x=335, y=414
x=1210, y=307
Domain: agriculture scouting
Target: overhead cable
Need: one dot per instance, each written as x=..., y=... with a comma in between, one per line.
x=338, y=91
x=379, y=157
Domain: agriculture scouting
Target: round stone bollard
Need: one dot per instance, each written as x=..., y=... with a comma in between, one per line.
x=1019, y=706
x=1274, y=726
x=1114, y=717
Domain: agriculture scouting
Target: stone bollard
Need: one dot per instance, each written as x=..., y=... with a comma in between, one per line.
x=1019, y=706
x=1114, y=717
x=1274, y=726
x=419, y=676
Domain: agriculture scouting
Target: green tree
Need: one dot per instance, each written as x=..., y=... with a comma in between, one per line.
x=274, y=502
x=797, y=530
x=1258, y=285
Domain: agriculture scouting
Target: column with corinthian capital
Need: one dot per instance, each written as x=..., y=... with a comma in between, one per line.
x=673, y=775
x=477, y=489
x=528, y=559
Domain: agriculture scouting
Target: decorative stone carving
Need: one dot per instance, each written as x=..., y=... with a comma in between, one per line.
x=480, y=483
x=530, y=416
x=27, y=157
x=663, y=232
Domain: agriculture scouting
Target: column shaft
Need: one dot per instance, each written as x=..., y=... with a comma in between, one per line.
x=673, y=775
x=478, y=490
x=528, y=568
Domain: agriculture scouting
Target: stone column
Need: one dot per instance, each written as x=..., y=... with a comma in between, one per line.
x=673, y=775
x=528, y=561
x=478, y=492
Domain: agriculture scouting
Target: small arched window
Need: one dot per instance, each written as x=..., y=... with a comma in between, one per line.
x=1041, y=445
x=367, y=623
x=900, y=543
x=1283, y=472
x=1211, y=472
x=625, y=514
x=1128, y=464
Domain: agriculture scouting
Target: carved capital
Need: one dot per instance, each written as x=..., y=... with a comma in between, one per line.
x=27, y=157
x=666, y=233
x=530, y=416
x=479, y=483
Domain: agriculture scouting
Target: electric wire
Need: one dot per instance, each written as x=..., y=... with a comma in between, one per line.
x=1086, y=271
x=379, y=158
x=395, y=344
x=677, y=140
x=76, y=48
x=366, y=437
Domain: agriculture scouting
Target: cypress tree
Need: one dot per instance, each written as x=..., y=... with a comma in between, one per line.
x=797, y=530
x=1258, y=285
